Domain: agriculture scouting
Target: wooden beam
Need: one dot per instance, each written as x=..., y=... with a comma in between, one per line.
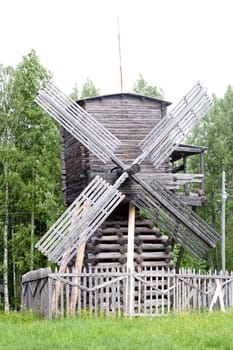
x=218, y=294
x=130, y=260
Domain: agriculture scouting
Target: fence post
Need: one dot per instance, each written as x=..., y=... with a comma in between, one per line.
x=217, y=294
x=50, y=297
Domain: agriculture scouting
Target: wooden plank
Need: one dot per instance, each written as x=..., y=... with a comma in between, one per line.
x=157, y=291
x=167, y=210
x=130, y=258
x=67, y=294
x=50, y=293
x=122, y=116
x=168, y=134
x=78, y=122
x=102, y=199
x=79, y=260
x=218, y=295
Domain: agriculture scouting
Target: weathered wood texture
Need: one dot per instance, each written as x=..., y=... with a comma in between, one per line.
x=102, y=291
x=178, y=220
x=178, y=183
x=80, y=220
x=164, y=138
x=75, y=167
x=130, y=118
x=113, y=128
x=35, y=291
x=109, y=245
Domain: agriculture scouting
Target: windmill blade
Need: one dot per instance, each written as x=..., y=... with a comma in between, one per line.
x=78, y=122
x=81, y=219
x=99, y=199
x=166, y=136
x=170, y=224
x=176, y=218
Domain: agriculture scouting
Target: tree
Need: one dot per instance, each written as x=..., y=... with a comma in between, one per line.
x=89, y=89
x=75, y=92
x=38, y=140
x=141, y=87
x=7, y=126
x=215, y=132
x=30, y=168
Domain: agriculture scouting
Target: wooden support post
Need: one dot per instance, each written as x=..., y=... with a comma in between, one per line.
x=130, y=261
x=64, y=263
x=186, y=187
x=55, y=294
x=179, y=259
x=202, y=170
x=218, y=294
x=77, y=269
x=78, y=264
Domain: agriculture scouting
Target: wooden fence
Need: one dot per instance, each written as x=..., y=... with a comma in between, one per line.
x=114, y=291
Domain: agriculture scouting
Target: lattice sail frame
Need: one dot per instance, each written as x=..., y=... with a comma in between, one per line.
x=166, y=136
x=62, y=241
x=205, y=236
x=78, y=122
x=80, y=220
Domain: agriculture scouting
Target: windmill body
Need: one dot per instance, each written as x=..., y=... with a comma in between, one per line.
x=130, y=118
x=120, y=148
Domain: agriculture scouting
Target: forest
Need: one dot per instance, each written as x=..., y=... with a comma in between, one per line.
x=30, y=170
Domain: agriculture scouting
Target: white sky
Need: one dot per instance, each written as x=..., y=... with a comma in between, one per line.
x=172, y=43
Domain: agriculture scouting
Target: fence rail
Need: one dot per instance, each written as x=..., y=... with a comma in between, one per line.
x=114, y=291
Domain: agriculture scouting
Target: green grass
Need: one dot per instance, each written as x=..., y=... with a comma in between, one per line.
x=186, y=331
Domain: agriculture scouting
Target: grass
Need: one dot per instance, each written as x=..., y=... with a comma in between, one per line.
x=185, y=331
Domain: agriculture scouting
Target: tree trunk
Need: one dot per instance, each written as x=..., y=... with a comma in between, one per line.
x=32, y=238
x=13, y=263
x=32, y=220
x=5, y=242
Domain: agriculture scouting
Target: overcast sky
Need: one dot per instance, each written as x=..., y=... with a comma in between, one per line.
x=172, y=43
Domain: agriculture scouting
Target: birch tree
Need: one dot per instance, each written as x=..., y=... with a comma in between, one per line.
x=216, y=132
x=30, y=171
x=7, y=152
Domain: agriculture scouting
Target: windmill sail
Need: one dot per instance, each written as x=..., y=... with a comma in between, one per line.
x=176, y=218
x=166, y=136
x=99, y=199
x=80, y=220
x=78, y=122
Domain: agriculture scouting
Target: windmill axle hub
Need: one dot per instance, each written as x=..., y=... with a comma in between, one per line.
x=131, y=170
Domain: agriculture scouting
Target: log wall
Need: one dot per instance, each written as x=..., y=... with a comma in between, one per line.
x=75, y=167
x=109, y=245
x=130, y=118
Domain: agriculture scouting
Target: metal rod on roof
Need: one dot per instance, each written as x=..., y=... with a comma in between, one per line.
x=119, y=45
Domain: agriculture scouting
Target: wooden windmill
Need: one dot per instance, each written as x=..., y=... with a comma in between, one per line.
x=137, y=180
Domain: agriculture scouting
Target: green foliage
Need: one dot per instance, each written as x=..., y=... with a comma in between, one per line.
x=75, y=92
x=30, y=147
x=142, y=87
x=215, y=132
x=189, y=261
x=185, y=331
x=89, y=89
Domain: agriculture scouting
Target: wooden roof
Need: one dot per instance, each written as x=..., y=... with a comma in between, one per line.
x=187, y=150
x=122, y=95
